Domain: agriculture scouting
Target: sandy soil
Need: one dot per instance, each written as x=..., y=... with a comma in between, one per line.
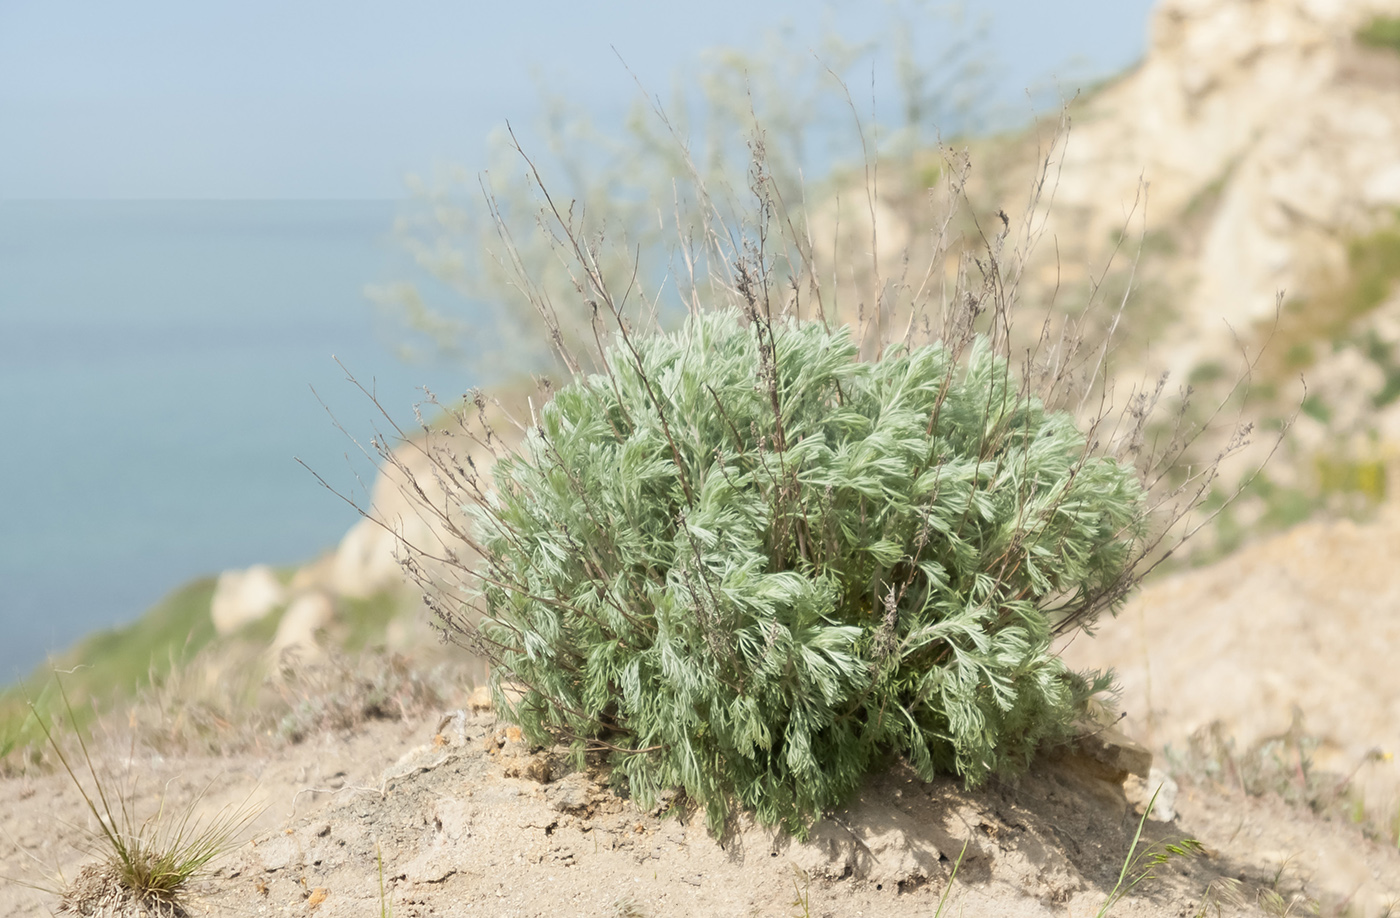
x=1290, y=641
x=470, y=822
x=466, y=821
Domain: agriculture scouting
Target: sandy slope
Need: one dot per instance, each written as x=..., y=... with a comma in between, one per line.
x=1303, y=625
x=467, y=826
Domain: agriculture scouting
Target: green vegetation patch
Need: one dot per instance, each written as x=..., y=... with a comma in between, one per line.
x=1375, y=267
x=360, y=623
x=1342, y=483
x=1306, y=325
x=1315, y=408
x=1341, y=475
x=1381, y=32
x=110, y=664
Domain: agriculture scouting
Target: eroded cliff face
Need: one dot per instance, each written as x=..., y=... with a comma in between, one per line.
x=1268, y=113
x=1240, y=186
x=1267, y=136
x=1243, y=184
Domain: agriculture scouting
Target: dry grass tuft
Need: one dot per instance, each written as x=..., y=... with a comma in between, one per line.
x=145, y=865
x=100, y=890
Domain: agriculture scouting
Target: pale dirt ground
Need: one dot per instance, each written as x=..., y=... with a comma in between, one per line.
x=466, y=827
x=1298, y=632
x=471, y=823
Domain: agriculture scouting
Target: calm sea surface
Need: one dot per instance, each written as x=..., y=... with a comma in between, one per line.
x=156, y=365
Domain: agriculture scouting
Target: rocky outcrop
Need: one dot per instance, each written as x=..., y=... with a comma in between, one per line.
x=245, y=596
x=1253, y=153
x=407, y=505
x=296, y=631
x=242, y=597
x=1271, y=116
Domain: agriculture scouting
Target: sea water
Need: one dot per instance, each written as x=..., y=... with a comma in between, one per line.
x=157, y=366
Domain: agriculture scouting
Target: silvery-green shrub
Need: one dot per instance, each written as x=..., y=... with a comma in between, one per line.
x=745, y=563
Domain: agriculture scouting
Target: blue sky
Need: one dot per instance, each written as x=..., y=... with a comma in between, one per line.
x=316, y=99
